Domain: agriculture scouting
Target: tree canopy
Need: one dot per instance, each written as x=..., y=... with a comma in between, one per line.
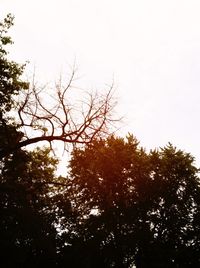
x=138, y=207
x=118, y=206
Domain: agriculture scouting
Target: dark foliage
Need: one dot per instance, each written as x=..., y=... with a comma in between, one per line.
x=26, y=227
x=136, y=207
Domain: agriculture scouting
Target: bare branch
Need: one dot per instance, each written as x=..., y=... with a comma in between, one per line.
x=60, y=116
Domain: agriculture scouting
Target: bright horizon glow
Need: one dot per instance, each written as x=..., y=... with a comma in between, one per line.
x=152, y=48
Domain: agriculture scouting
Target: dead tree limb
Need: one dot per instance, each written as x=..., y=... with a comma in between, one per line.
x=46, y=115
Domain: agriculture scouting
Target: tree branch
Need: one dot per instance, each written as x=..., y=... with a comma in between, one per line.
x=43, y=117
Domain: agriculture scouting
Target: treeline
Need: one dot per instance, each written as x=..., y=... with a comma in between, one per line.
x=118, y=206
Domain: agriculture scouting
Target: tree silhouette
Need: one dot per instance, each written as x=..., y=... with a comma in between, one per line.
x=27, y=219
x=33, y=202
x=137, y=207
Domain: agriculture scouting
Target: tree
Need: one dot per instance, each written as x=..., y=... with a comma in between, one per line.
x=174, y=209
x=104, y=177
x=10, y=72
x=10, y=85
x=136, y=207
x=33, y=201
x=27, y=226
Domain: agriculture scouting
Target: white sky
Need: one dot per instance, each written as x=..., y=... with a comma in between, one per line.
x=151, y=47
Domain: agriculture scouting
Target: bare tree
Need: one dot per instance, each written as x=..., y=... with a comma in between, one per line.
x=46, y=115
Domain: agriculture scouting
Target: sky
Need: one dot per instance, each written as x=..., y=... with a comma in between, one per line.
x=150, y=48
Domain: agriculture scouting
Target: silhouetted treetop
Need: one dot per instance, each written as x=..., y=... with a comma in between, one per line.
x=141, y=207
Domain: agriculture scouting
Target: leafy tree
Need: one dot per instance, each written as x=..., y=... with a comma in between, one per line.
x=28, y=236
x=175, y=208
x=25, y=230
x=136, y=207
x=10, y=71
x=34, y=206
x=104, y=176
x=10, y=85
x=29, y=189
